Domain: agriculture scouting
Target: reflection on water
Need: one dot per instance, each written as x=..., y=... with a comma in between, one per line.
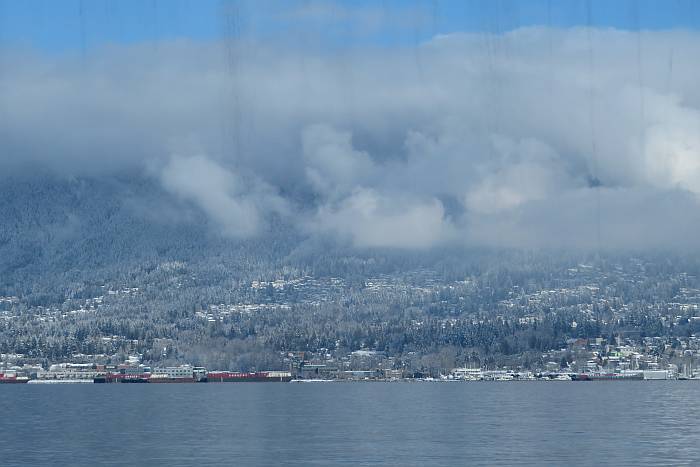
x=536, y=423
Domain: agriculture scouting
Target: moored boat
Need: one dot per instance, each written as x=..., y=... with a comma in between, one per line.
x=257, y=377
x=13, y=379
x=122, y=378
x=607, y=376
x=160, y=378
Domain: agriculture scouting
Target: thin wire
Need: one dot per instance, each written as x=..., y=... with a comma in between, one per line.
x=231, y=24
x=640, y=74
x=591, y=117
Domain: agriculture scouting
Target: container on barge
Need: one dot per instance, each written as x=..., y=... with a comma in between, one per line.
x=607, y=376
x=257, y=377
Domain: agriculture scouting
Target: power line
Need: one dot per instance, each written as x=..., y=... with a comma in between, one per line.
x=595, y=182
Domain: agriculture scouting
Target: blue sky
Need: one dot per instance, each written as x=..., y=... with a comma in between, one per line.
x=82, y=24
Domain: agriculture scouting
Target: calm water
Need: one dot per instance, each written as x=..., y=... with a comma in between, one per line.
x=533, y=423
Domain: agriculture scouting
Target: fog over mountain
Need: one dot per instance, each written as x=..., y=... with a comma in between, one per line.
x=399, y=188
x=537, y=137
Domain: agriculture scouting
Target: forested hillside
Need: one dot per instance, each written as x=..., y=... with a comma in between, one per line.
x=108, y=267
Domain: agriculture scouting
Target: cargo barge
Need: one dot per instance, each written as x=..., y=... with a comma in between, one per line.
x=196, y=376
x=257, y=377
x=121, y=378
x=169, y=379
x=607, y=376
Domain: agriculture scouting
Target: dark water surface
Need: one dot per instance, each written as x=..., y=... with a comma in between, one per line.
x=475, y=423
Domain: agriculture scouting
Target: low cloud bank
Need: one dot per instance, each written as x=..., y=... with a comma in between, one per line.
x=536, y=137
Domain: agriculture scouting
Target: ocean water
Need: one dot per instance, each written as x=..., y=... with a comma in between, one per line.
x=472, y=423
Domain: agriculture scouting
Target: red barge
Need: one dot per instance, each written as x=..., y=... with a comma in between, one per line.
x=198, y=377
x=257, y=377
x=13, y=379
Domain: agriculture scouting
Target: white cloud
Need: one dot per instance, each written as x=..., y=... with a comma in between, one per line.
x=526, y=171
x=333, y=166
x=371, y=219
x=672, y=150
x=219, y=192
x=480, y=137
